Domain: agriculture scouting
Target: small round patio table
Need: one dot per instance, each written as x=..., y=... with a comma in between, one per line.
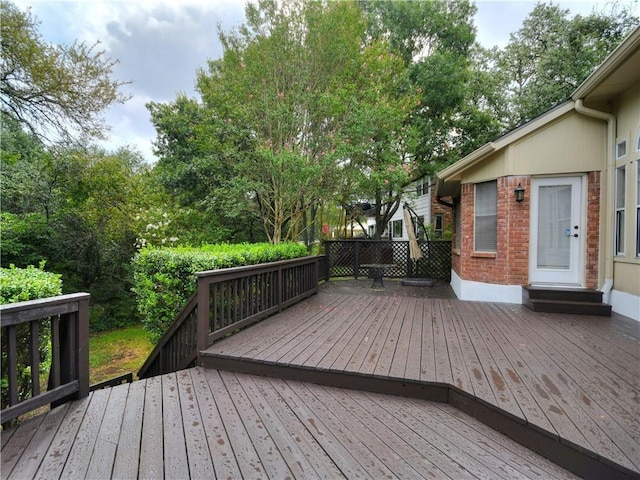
x=377, y=271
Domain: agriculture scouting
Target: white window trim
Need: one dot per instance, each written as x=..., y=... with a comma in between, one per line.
x=393, y=228
x=620, y=214
x=637, y=231
x=475, y=215
x=626, y=148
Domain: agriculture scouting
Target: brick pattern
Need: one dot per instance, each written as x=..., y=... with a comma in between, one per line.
x=509, y=265
x=437, y=208
x=593, y=229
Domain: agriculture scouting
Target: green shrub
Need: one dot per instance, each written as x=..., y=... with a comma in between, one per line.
x=18, y=285
x=164, y=278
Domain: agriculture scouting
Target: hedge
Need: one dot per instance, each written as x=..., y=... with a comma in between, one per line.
x=18, y=285
x=31, y=283
x=164, y=278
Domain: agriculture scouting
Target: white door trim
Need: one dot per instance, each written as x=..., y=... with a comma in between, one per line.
x=574, y=274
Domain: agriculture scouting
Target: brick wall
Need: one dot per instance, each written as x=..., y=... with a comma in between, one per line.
x=593, y=229
x=446, y=212
x=510, y=264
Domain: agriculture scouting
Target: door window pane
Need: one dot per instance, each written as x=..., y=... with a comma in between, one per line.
x=554, y=227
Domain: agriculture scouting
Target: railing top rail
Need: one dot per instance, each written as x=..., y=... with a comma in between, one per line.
x=252, y=268
x=14, y=313
x=192, y=303
x=365, y=240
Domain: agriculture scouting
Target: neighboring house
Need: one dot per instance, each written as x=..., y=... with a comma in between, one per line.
x=420, y=196
x=578, y=224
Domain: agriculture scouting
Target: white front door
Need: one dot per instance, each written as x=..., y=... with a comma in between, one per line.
x=557, y=237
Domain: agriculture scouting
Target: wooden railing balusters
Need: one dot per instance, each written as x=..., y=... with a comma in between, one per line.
x=68, y=318
x=12, y=358
x=232, y=298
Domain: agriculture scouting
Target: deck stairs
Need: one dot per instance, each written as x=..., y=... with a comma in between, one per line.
x=578, y=301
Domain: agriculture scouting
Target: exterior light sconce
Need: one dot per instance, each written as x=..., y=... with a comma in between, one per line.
x=519, y=193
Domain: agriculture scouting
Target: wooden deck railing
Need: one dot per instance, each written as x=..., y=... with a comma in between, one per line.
x=346, y=257
x=68, y=318
x=233, y=298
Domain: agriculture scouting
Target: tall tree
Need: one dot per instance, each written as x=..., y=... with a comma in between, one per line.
x=434, y=39
x=56, y=91
x=302, y=100
x=196, y=151
x=552, y=53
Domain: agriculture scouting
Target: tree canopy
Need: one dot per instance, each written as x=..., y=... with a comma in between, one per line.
x=56, y=91
x=551, y=55
x=300, y=101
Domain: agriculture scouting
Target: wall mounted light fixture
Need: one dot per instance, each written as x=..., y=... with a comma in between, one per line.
x=519, y=193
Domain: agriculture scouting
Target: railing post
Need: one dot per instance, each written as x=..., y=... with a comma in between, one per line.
x=203, y=315
x=409, y=262
x=279, y=287
x=82, y=332
x=356, y=258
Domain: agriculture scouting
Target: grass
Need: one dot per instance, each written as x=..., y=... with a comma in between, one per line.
x=117, y=352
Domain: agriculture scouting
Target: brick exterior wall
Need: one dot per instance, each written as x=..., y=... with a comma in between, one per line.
x=510, y=264
x=593, y=229
x=446, y=212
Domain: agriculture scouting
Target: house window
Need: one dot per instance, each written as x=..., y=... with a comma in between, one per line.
x=422, y=186
x=457, y=212
x=486, y=217
x=620, y=209
x=418, y=227
x=396, y=228
x=372, y=231
x=621, y=149
x=438, y=225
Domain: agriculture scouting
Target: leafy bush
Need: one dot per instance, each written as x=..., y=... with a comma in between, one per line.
x=164, y=278
x=18, y=285
x=31, y=283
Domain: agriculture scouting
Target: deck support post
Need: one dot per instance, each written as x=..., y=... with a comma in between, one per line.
x=202, y=330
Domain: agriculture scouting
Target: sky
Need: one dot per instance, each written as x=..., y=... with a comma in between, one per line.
x=160, y=44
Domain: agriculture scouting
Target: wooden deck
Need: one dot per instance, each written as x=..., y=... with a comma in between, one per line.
x=574, y=380
x=565, y=386
x=202, y=423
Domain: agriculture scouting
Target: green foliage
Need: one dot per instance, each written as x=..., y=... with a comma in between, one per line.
x=164, y=278
x=434, y=39
x=552, y=53
x=51, y=89
x=22, y=284
x=24, y=239
x=297, y=95
x=19, y=285
x=78, y=209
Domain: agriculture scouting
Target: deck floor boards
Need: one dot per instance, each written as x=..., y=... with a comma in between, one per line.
x=232, y=425
x=574, y=377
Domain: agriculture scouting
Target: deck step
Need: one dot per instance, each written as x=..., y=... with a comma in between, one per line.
x=578, y=301
x=417, y=282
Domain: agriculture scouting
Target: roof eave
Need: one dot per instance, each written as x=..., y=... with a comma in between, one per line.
x=609, y=65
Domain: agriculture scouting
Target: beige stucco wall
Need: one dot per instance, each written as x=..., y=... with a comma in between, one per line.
x=571, y=144
x=626, y=277
x=628, y=115
x=627, y=112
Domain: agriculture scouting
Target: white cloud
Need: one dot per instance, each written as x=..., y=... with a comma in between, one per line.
x=161, y=43
x=159, y=46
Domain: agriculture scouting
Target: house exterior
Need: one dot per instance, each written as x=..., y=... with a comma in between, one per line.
x=578, y=223
x=421, y=198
